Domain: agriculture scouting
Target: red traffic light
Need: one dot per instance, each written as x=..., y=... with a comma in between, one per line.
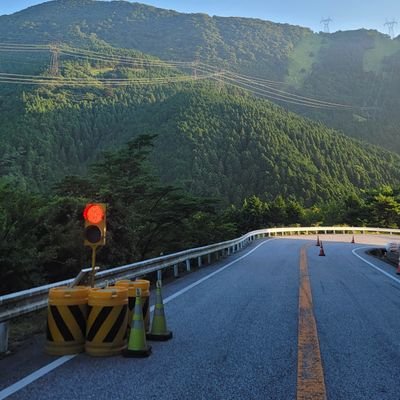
x=95, y=225
x=94, y=213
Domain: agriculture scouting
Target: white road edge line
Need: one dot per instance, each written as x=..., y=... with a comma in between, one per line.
x=62, y=360
x=34, y=376
x=373, y=265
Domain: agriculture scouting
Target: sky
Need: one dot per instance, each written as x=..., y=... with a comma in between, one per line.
x=345, y=14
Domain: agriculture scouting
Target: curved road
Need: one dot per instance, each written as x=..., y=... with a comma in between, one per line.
x=238, y=334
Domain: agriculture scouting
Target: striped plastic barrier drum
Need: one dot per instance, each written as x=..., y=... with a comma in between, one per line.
x=106, y=330
x=66, y=320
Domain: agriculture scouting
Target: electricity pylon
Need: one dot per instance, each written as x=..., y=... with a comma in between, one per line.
x=54, y=63
x=390, y=25
x=326, y=22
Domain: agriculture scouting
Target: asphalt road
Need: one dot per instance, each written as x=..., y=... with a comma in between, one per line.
x=236, y=334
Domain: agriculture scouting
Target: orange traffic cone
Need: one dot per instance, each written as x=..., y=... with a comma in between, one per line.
x=137, y=346
x=398, y=268
x=352, y=240
x=321, y=251
x=318, y=243
x=159, y=329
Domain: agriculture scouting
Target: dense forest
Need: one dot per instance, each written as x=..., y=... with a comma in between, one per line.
x=222, y=144
x=41, y=234
x=357, y=68
x=172, y=154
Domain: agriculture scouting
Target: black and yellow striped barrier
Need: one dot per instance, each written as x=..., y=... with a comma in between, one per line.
x=66, y=320
x=144, y=286
x=106, y=331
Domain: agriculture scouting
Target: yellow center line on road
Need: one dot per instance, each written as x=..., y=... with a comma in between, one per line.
x=310, y=374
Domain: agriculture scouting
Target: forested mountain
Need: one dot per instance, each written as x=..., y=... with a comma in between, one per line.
x=357, y=68
x=90, y=110
x=219, y=143
x=212, y=139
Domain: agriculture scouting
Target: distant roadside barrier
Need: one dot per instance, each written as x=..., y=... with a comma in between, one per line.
x=20, y=303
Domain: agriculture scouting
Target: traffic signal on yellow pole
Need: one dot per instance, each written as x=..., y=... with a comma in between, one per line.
x=95, y=224
x=95, y=230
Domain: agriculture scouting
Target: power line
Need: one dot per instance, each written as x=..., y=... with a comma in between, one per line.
x=276, y=94
x=264, y=87
x=31, y=79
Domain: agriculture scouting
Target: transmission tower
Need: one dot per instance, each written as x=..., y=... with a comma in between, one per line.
x=326, y=22
x=390, y=25
x=54, y=61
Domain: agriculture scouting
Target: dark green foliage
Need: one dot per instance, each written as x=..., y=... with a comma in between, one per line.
x=41, y=235
x=233, y=147
x=275, y=167
x=258, y=214
x=375, y=208
x=219, y=144
x=228, y=42
x=356, y=67
x=19, y=257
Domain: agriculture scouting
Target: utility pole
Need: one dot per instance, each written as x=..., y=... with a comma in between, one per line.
x=390, y=25
x=326, y=22
x=54, y=61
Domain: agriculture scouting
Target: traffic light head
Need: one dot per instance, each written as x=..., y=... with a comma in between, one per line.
x=95, y=224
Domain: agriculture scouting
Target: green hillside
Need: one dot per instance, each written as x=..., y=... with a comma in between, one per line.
x=220, y=143
x=179, y=152
x=357, y=68
x=212, y=141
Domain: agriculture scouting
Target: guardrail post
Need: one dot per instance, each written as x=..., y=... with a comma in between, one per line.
x=3, y=337
x=176, y=271
x=188, y=265
x=159, y=275
x=229, y=251
x=209, y=258
x=199, y=261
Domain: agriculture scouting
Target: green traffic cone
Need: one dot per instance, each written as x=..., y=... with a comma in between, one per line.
x=159, y=330
x=137, y=346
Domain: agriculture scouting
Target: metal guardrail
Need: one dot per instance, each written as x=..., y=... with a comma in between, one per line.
x=17, y=304
x=20, y=303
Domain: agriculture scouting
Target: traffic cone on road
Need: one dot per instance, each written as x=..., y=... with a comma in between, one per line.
x=318, y=243
x=321, y=251
x=159, y=330
x=398, y=268
x=137, y=346
x=352, y=240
